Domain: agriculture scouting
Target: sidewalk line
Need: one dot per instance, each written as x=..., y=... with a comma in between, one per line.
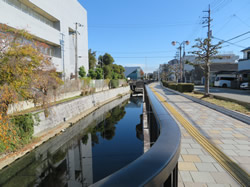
x=234, y=169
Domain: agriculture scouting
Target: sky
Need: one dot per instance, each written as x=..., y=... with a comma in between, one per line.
x=140, y=32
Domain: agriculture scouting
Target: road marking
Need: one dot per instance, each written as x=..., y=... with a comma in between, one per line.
x=234, y=169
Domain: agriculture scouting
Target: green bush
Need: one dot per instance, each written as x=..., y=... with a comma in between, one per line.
x=25, y=126
x=185, y=87
x=181, y=87
x=114, y=83
x=172, y=86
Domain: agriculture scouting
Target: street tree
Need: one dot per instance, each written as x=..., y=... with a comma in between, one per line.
x=82, y=71
x=106, y=59
x=92, y=59
x=205, y=52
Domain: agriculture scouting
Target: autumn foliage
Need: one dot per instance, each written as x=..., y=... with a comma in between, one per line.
x=26, y=73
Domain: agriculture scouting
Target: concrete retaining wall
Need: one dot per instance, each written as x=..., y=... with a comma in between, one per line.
x=65, y=111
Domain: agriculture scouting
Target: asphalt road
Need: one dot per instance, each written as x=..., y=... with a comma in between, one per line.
x=241, y=95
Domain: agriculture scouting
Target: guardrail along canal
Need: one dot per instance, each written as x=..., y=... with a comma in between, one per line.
x=95, y=147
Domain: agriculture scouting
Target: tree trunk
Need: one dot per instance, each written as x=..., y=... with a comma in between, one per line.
x=207, y=73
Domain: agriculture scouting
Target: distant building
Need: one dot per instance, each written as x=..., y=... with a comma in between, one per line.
x=52, y=22
x=134, y=73
x=215, y=68
x=244, y=64
x=226, y=62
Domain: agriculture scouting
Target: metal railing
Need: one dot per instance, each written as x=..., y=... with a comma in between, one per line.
x=159, y=165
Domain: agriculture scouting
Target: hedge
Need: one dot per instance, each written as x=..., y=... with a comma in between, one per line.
x=181, y=87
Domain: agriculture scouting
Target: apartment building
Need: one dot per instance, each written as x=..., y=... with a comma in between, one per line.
x=55, y=23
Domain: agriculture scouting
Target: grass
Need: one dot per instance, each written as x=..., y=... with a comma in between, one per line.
x=245, y=109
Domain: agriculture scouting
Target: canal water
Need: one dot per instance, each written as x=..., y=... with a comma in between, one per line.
x=98, y=145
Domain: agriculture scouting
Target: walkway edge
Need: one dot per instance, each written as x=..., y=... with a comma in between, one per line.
x=236, y=115
x=239, y=174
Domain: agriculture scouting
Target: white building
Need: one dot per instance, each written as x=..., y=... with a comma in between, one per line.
x=52, y=22
x=244, y=64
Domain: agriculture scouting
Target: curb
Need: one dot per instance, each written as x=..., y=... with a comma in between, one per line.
x=236, y=115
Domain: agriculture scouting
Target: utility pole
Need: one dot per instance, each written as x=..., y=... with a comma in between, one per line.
x=62, y=49
x=207, y=21
x=76, y=49
x=180, y=64
x=76, y=53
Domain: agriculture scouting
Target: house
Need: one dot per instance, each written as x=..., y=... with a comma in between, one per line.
x=54, y=23
x=227, y=68
x=244, y=66
x=134, y=73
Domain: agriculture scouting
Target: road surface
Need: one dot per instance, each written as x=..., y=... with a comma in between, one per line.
x=241, y=95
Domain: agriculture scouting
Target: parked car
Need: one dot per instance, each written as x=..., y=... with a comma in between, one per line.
x=224, y=80
x=245, y=85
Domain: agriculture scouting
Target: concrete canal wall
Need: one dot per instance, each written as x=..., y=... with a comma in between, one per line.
x=65, y=111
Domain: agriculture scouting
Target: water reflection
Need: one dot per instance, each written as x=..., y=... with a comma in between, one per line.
x=83, y=155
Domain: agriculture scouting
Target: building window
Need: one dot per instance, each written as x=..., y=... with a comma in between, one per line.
x=248, y=55
x=17, y=4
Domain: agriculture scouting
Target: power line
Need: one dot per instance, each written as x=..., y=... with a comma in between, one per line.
x=223, y=41
x=238, y=36
x=140, y=52
x=144, y=57
x=138, y=26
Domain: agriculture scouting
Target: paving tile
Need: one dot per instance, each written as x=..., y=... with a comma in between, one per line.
x=180, y=184
x=223, y=178
x=242, y=152
x=196, y=146
x=243, y=147
x=229, y=152
x=191, y=158
x=206, y=158
x=185, y=145
x=187, y=140
x=179, y=177
x=217, y=141
x=229, y=141
x=192, y=184
x=242, y=159
x=243, y=142
x=218, y=167
x=218, y=185
x=185, y=176
x=195, y=151
x=240, y=136
x=227, y=146
x=214, y=131
x=184, y=151
x=203, y=177
x=209, y=167
x=186, y=166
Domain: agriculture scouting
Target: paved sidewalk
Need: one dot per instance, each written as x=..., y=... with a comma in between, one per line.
x=197, y=167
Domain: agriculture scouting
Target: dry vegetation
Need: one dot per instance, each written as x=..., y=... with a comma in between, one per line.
x=245, y=109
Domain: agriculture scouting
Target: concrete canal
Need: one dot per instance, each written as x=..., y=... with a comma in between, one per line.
x=97, y=146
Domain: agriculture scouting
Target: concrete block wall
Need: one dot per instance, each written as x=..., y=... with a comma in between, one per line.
x=65, y=111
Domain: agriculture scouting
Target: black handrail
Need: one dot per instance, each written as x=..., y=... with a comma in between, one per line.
x=155, y=166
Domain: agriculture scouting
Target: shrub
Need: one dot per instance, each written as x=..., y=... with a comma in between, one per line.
x=25, y=126
x=185, y=87
x=114, y=83
x=82, y=71
x=181, y=87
